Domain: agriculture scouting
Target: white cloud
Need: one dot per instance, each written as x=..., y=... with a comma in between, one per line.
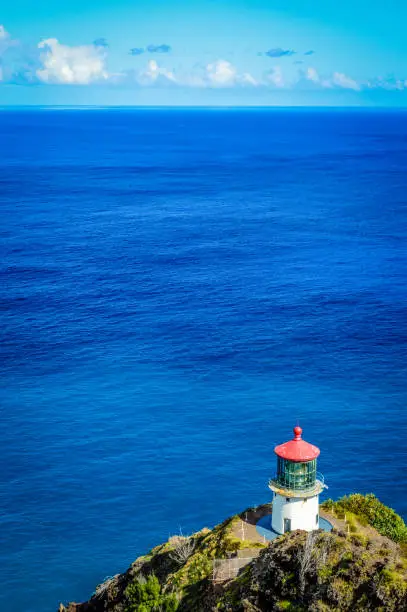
x=221, y=74
x=390, y=83
x=337, y=79
x=3, y=33
x=5, y=41
x=79, y=65
x=156, y=75
x=53, y=62
x=341, y=80
x=248, y=79
x=276, y=78
x=312, y=75
x=218, y=74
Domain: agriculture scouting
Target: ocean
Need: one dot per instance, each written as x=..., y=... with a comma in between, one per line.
x=179, y=288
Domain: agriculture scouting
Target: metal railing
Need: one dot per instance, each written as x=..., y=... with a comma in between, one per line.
x=318, y=484
x=227, y=569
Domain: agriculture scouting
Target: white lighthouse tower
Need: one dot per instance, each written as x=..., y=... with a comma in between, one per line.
x=296, y=486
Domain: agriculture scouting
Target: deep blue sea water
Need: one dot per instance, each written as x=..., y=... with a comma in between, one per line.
x=178, y=289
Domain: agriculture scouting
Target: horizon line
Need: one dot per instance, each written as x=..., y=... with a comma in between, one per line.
x=345, y=107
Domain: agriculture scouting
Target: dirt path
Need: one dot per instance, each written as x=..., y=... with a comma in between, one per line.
x=246, y=529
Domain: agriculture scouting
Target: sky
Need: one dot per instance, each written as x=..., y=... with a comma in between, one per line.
x=204, y=52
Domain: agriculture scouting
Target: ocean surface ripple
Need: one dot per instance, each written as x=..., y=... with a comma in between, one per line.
x=178, y=289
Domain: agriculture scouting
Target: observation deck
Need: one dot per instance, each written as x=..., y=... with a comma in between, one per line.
x=310, y=490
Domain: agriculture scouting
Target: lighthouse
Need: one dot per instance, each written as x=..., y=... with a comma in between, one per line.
x=296, y=486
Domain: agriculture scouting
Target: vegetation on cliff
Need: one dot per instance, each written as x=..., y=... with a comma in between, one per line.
x=369, y=510
x=360, y=565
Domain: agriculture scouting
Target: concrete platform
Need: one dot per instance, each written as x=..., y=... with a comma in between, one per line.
x=265, y=531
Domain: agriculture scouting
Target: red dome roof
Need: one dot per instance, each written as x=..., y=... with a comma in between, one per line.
x=297, y=449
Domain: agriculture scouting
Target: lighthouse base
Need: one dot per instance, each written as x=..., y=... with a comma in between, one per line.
x=291, y=513
x=265, y=530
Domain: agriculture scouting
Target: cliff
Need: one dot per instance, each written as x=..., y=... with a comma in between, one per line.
x=360, y=565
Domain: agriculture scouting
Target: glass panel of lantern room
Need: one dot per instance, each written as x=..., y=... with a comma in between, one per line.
x=296, y=475
x=280, y=469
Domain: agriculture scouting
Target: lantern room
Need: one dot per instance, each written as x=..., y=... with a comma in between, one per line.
x=297, y=463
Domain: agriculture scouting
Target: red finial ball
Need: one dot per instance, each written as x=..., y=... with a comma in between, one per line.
x=297, y=433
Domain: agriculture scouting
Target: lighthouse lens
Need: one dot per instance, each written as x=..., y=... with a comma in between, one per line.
x=296, y=475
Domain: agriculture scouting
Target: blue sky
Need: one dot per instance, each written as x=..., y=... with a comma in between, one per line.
x=211, y=52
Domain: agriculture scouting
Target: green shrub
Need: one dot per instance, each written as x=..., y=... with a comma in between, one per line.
x=288, y=606
x=145, y=595
x=199, y=568
x=328, y=504
x=342, y=593
x=391, y=588
x=379, y=516
x=359, y=540
x=284, y=604
x=324, y=572
x=287, y=577
x=403, y=548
